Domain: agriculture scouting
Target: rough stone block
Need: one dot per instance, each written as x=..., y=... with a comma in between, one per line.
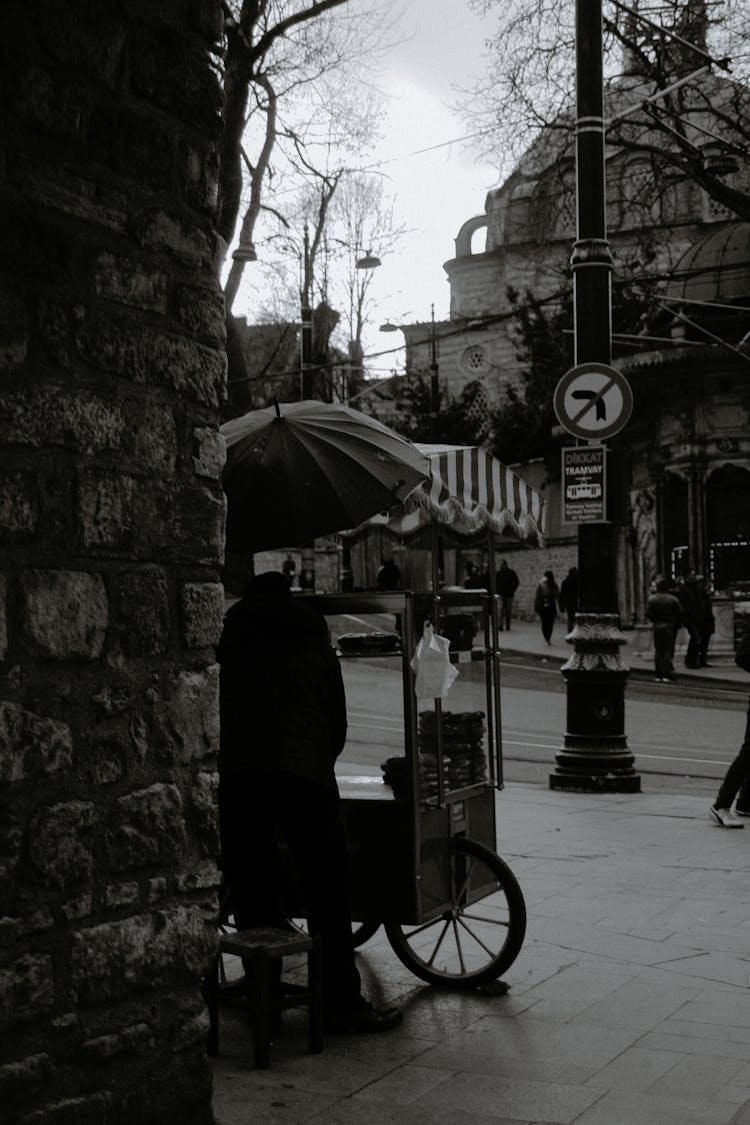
x=131, y=283
x=26, y=989
x=14, y=333
x=131, y=144
x=193, y=713
x=147, y=951
x=19, y=507
x=44, y=416
x=147, y=827
x=58, y=188
x=160, y=231
x=121, y=894
x=136, y=1037
x=142, y=611
x=64, y=614
x=3, y=616
x=31, y=744
x=105, y=511
x=88, y=38
x=204, y=800
x=194, y=370
x=61, y=841
x=177, y=81
x=198, y=522
x=202, y=613
x=202, y=311
x=23, y=1074
x=210, y=452
x=94, y=1109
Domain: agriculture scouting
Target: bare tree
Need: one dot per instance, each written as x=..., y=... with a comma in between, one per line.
x=677, y=96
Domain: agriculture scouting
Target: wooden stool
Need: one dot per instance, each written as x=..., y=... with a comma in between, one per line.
x=261, y=946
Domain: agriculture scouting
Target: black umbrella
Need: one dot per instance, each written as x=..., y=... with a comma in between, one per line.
x=298, y=470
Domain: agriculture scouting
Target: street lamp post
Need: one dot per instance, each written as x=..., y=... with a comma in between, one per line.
x=595, y=756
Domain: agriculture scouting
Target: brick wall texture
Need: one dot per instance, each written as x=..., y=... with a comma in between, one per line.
x=112, y=369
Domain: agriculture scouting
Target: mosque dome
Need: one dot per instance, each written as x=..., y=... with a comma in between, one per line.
x=717, y=268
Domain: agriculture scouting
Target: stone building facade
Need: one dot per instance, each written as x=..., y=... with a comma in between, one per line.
x=523, y=241
x=112, y=368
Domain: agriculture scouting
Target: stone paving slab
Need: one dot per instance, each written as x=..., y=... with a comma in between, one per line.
x=628, y=1005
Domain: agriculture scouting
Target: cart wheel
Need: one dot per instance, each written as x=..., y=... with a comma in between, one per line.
x=480, y=933
x=363, y=931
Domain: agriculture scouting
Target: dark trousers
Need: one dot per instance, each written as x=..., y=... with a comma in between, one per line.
x=506, y=605
x=692, y=656
x=255, y=813
x=737, y=777
x=663, y=650
x=547, y=617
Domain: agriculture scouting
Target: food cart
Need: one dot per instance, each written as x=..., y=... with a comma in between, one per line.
x=423, y=760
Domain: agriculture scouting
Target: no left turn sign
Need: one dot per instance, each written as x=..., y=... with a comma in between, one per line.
x=593, y=401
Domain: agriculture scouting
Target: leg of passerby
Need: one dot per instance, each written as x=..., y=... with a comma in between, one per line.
x=311, y=826
x=693, y=648
x=548, y=620
x=663, y=651
x=736, y=780
x=506, y=604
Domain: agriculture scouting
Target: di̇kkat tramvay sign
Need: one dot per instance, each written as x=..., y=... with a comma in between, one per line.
x=584, y=484
x=592, y=401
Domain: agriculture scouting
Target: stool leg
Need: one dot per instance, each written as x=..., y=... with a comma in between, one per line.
x=315, y=987
x=212, y=1003
x=261, y=1009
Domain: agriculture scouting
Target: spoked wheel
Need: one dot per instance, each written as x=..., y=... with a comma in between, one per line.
x=480, y=933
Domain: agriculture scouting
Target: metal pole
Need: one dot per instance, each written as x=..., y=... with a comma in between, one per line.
x=595, y=755
x=307, y=388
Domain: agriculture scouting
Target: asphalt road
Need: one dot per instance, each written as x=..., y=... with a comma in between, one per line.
x=683, y=736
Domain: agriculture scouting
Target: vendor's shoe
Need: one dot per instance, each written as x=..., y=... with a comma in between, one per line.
x=365, y=1021
x=726, y=818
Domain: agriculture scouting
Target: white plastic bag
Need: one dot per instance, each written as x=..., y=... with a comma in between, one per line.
x=432, y=665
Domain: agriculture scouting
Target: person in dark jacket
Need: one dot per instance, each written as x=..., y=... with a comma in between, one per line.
x=506, y=584
x=283, y=725
x=664, y=611
x=691, y=593
x=736, y=781
x=545, y=604
x=569, y=589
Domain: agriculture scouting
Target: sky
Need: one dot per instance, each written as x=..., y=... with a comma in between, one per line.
x=438, y=47
x=436, y=191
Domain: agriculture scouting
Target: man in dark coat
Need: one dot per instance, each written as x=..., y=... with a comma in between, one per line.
x=506, y=584
x=664, y=611
x=569, y=592
x=283, y=724
x=736, y=781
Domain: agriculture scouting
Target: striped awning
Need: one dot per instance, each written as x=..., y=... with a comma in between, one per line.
x=469, y=490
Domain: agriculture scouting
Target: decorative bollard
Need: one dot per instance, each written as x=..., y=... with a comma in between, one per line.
x=595, y=756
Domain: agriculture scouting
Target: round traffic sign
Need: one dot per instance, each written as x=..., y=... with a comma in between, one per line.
x=593, y=401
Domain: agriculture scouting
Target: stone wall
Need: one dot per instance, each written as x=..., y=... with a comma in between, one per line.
x=112, y=367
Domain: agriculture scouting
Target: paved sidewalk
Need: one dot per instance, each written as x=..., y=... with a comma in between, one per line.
x=629, y=1002
x=525, y=639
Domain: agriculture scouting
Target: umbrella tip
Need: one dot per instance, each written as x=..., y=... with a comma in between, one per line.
x=276, y=406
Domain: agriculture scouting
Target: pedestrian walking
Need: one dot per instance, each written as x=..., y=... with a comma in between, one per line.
x=736, y=781
x=664, y=611
x=692, y=600
x=506, y=584
x=283, y=724
x=569, y=596
x=545, y=604
x=708, y=622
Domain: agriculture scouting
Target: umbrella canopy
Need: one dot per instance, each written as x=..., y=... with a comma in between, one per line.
x=302, y=469
x=468, y=490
